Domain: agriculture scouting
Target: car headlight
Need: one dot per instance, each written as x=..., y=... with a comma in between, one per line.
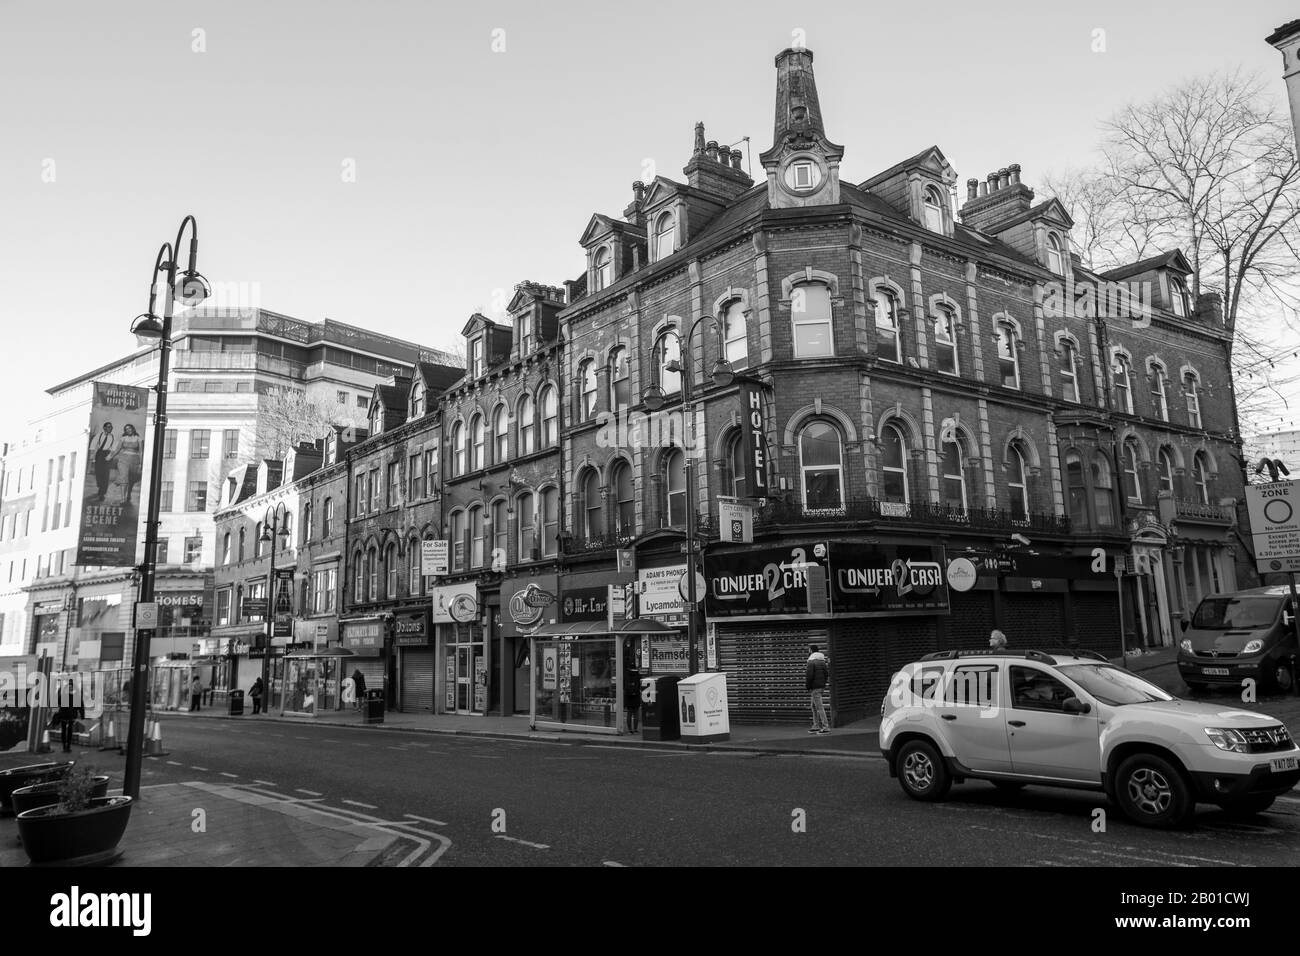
x=1186, y=644
x=1253, y=647
x=1227, y=739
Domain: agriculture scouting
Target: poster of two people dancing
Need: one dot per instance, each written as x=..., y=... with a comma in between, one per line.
x=110, y=504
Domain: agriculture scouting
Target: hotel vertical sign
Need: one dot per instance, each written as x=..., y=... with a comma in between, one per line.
x=754, y=435
x=110, y=500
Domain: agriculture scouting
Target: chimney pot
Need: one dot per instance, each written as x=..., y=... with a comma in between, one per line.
x=972, y=189
x=993, y=182
x=1004, y=178
x=699, y=139
x=984, y=189
x=638, y=192
x=1014, y=169
x=712, y=150
x=735, y=159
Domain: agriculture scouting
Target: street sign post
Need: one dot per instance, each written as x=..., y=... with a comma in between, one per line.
x=1274, y=509
x=146, y=615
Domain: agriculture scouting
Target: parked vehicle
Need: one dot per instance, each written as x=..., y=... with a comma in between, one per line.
x=1245, y=634
x=1074, y=721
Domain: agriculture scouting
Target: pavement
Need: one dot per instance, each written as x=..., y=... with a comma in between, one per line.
x=248, y=827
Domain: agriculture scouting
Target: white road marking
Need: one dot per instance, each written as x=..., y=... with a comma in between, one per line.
x=176, y=763
x=203, y=769
x=358, y=803
x=266, y=783
x=310, y=793
x=486, y=757
x=232, y=776
x=436, y=823
x=302, y=738
x=535, y=846
x=613, y=863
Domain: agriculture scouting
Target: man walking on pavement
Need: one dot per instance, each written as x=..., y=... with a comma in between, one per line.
x=817, y=675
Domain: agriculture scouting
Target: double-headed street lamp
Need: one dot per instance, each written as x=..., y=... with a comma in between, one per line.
x=191, y=288
x=654, y=399
x=274, y=525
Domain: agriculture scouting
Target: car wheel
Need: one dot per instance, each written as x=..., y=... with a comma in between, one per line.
x=1281, y=679
x=921, y=771
x=1008, y=785
x=1153, y=793
x=1248, y=806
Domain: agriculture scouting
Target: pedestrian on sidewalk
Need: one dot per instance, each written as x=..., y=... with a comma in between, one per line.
x=196, y=693
x=998, y=641
x=358, y=688
x=817, y=675
x=255, y=692
x=631, y=687
x=67, y=716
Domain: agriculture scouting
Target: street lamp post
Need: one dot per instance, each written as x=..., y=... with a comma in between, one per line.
x=654, y=399
x=191, y=288
x=274, y=525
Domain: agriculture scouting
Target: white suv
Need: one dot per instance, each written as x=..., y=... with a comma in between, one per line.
x=1075, y=720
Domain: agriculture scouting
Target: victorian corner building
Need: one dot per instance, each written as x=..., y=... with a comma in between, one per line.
x=942, y=422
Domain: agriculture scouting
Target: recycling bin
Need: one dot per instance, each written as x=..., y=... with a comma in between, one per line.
x=374, y=707
x=702, y=707
x=236, y=703
x=659, y=717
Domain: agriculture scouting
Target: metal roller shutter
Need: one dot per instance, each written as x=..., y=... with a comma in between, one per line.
x=372, y=669
x=971, y=620
x=1034, y=621
x=765, y=671
x=417, y=680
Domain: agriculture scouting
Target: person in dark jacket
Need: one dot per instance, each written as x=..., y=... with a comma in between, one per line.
x=68, y=714
x=256, y=692
x=358, y=688
x=817, y=675
x=631, y=688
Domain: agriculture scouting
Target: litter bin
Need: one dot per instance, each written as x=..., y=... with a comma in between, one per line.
x=659, y=718
x=236, y=703
x=374, y=707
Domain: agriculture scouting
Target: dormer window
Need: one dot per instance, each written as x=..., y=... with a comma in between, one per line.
x=525, y=333
x=476, y=358
x=933, y=204
x=803, y=175
x=665, y=235
x=1178, y=297
x=376, y=418
x=1055, y=259
x=603, y=270
x=417, y=399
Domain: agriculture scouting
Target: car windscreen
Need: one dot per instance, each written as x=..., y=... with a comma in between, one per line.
x=1113, y=686
x=1229, y=613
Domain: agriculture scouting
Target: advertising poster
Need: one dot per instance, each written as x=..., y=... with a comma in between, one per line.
x=110, y=501
x=283, y=602
x=660, y=595
x=548, y=667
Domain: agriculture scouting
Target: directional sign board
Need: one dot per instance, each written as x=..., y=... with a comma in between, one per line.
x=1275, y=524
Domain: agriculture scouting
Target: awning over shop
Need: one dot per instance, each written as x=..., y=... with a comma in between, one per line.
x=599, y=628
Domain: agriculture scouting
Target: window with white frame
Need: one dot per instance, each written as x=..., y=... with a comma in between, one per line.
x=526, y=515
x=954, y=476
x=478, y=450
x=390, y=572
x=1121, y=371
x=733, y=466
x=550, y=402
x=1201, y=477
x=625, y=498
x=1017, y=486
x=415, y=583
x=417, y=399
x=549, y=519
x=327, y=518
x=500, y=435
x=525, y=324
x=500, y=533
x=1076, y=490
x=675, y=488
x=668, y=351
x=527, y=426
x=593, y=512
x=620, y=381
x=810, y=318
x=372, y=566
x=1165, y=459
x=933, y=202
x=1102, y=494
x=1191, y=389
x=1158, y=383
x=1055, y=254
x=888, y=340
x=1068, y=356
x=1008, y=356
x=665, y=234
x=477, y=540
x=458, y=449
x=358, y=577
x=602, y=269
x=587, y=380
x=893, y=459
x=1132, y=481
x=821, y=466
x=225, y=549
x=223, y=607
x=735, y=338
x=1177, y=297
x=458, y=542
x=945, y=339
x=476, y=366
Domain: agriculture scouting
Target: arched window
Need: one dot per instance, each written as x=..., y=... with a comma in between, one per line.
x=1132, y=484
x=1201, y=477
x=665, y=234
x=933, y=210
x=893, y=458
x=888, y=343
x=1158, y=382
x=1069, y=355
x=603, y=269
x=668, y=351
x=1120, y=373
x=593, y=513
x=458, y=542
x=733, y=466
x=478, y=450
x=625, y=514
x=587, y=378
x=416, y=582
x=1166, y=458
x=549, y=519
x=458, y=449
x=1017, y=487
x=526, y=515
x=550, y=403
x=945, y=339
x=358, y=577
x=417, y=398
x=306, y=523
x=478, y=543
x=257, y=540
x=1055, y=258
x=372, y=567
x=1008, y=356
x=500, y=533
x=1191, y=389
x=620, y=382
x=810, y=320
x=390, y=572
x=1103, y=500
x=500, y=436
x=821, y=464
x=675, y=488
x=1178, y=297
x=527, y=427
x=241, y=544
x=954, y=478
x=225, y=549
x=327, y=518
x=735, y=338
x=1076, y=490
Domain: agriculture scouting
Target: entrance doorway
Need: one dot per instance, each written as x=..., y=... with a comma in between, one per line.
x=466, y=675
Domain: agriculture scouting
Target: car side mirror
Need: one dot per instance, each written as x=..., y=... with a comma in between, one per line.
x=1072, y=705
x=1183, y=623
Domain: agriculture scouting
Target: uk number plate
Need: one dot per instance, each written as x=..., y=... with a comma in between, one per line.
x=1215, y=671
x=1279, y=764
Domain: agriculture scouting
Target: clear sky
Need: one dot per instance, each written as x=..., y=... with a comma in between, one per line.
x=483, y=135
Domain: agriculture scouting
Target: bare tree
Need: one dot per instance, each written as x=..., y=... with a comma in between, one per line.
x=286, y=417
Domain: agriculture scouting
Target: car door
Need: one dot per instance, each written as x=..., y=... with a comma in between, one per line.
x=971, y=716
x=1043, y=739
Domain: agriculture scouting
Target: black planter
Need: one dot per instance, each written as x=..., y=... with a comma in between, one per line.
x=82, y=838
x=47, y=794
x=16, y=777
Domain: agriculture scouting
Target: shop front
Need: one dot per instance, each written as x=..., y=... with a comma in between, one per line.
x=413, y=641
x=661, y=596
x=214, y=664
x=365, y=638
x=314, y=681
x=170, y=680
x=461, y=685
